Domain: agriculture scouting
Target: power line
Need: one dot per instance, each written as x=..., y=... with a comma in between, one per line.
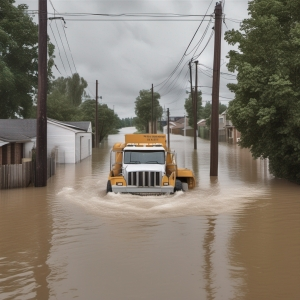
x=135, y=15
x=58, y=48
x=62, y=19
x=184, y=81
x=173, y=81
x=209, y=39
x=133, y=20
x=69, y=47
x=63, y=48
x=185, y=52
x=202, y=22
x=201, y=39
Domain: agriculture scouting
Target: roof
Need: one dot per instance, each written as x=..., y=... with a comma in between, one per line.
x=80, y=125
x=22, y=130
x=179, y=123
x=202, y=122
x=12, y=130
x=84, y=125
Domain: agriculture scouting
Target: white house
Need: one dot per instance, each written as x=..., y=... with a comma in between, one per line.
x=71, y=141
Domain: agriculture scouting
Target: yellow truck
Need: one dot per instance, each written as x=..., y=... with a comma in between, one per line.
x=144, y=165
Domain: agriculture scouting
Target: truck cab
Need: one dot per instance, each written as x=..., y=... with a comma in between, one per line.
x=143, y=165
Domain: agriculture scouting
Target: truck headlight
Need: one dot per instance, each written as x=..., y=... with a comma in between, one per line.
x=119, y=183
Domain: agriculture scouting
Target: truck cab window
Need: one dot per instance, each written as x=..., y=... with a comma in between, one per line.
x=144, y=157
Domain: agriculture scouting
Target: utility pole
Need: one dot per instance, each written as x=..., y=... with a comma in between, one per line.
x=196, y=105
x=193, y=103
x=152, y=127
x=96, y=118
x=168, y=127
x=214, y=139
x=41, y=122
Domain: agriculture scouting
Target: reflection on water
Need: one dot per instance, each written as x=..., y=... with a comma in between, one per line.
x=232, y=237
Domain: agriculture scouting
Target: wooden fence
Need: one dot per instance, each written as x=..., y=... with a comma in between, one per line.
x=22, y=175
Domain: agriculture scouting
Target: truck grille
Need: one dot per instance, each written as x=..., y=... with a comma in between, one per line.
x=144, y=179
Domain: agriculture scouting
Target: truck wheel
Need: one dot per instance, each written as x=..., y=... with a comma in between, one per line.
x=108, y=187
x=178, y=185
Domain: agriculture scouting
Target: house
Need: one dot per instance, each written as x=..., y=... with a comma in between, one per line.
x=180, y=126
x=71, y=141
x=232, y=134
x=16, y=139
x=203, y=130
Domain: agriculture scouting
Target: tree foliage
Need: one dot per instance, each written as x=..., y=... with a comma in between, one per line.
x=126, y=122
x=72, y=87
x=266, y=108
x=18, y=60
x=203, y=112
x=60, y=108
x=143, y=109
x=65, y=97
x=206, y=112
x=107, y=120
x=188, y=105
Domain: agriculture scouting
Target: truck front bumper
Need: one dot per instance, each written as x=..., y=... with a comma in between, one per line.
x=141, y=190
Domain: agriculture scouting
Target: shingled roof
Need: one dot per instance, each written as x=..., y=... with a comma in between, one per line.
x=12, y=130
x=81, y=125
x=22, y=130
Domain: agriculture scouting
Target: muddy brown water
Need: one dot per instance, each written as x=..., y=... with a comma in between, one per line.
x=234, y=237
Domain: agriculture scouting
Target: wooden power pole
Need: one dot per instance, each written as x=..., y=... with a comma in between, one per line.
x=96, y=119
x=152, y=126
x=196, y=105
x=214, y=139
x=168, y=128
x=41, y=124
x=193, y=103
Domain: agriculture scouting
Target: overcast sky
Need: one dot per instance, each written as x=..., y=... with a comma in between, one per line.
x=127, y=54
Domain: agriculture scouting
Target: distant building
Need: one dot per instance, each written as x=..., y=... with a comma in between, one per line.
x=231, y=133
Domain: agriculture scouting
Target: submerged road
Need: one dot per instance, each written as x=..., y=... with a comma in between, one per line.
x=234, y=237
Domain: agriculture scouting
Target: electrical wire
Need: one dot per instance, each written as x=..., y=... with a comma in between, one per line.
x=182, y=58
x=184, y=81
x=172, y=83
x=201, y=39
x=57, y=48
x=69, y=47
x=163, y=83
x=209, y=39
x=63, y=48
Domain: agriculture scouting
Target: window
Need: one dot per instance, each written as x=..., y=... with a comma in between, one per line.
x=144, y=157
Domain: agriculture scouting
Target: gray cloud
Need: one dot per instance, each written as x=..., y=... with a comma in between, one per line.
x=127, y=56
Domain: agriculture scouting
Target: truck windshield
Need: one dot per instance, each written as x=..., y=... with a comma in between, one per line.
x=144, y=157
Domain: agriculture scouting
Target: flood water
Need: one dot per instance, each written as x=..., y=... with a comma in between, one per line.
x=234, y=237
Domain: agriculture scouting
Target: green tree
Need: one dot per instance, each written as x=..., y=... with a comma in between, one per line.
x=143, y=109
x=107, y=120
x=60, y=108
x=126, y=122
x=266, y=108
x=72, y=87
x=18, y=60
x=75, y=88
x=206, y=112
x=188, y=106
x=222, y=107
x=64, y=98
